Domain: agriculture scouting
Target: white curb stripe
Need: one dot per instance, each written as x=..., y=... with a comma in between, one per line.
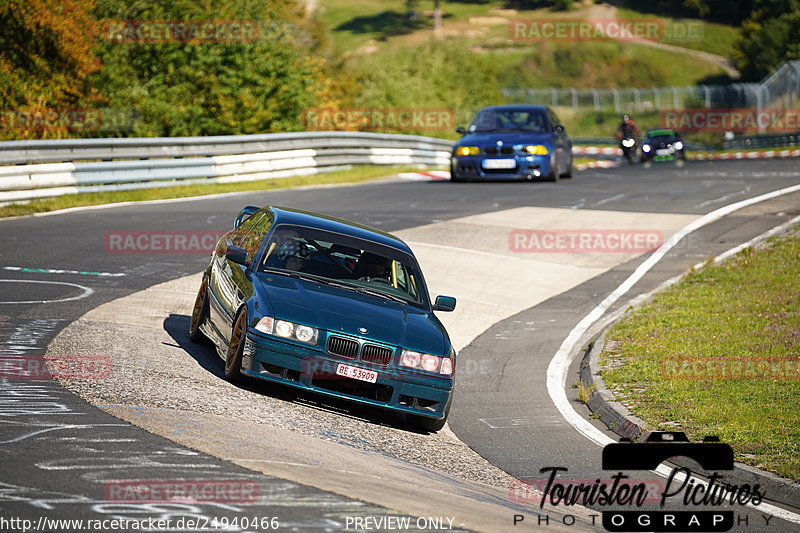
x=559, y=365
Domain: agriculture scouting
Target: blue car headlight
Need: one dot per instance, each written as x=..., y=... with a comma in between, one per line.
x=536, y=149
x=467, y=150
x=288, y=330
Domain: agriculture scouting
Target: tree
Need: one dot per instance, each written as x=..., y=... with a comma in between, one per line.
x=769, y=37
x=184, y=84
x=46, y=57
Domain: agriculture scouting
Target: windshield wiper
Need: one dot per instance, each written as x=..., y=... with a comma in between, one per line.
x=292, y=274
x=373, y=292
x=365, y=290
x=335, y=283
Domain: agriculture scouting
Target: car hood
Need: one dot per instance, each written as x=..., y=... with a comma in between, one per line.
x=340, y=310
x=516, y=137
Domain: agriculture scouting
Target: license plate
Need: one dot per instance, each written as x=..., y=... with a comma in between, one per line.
x=664, y=151
x=356, y=373
x=499, y=163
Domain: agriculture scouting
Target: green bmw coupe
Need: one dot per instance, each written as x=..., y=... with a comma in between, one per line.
x=330, y=306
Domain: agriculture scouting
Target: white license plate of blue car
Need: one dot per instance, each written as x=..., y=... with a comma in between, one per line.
x=496, y=164
x=356, y=373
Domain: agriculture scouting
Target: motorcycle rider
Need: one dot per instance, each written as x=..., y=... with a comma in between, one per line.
x=627, y=129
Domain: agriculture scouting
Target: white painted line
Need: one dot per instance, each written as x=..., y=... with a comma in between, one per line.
x=559, y=365
x=733, y=251
x=59, y=271
x=610, y=199
x=86, y=291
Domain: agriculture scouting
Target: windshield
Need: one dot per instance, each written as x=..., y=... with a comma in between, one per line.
x=662, y=139
x=344, y=261
x=510, y=120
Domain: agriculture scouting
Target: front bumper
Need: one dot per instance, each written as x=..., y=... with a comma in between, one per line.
x=526, y=167
x=668, y=154
x=312, y=369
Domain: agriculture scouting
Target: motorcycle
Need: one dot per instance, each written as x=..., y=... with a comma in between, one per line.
x=629, y=149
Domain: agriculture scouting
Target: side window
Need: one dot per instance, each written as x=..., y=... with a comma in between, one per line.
x=251, y=232
x=553, y=119
x=245, y=227
x=254, y=235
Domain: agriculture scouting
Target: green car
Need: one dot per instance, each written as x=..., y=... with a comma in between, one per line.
x=329, y=306
x=663, y=145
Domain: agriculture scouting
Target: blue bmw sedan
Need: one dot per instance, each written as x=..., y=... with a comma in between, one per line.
x=512, y=142
x=330, y=306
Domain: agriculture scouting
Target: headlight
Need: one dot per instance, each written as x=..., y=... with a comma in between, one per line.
x=536, y=149
x=468, y=150
x=678, y=145
x=427, y=362
x=288, y=330
x=627, y=143
x=646, y=148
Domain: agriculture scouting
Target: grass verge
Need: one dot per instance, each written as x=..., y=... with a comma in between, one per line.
x=718, y=354
x=355, y=175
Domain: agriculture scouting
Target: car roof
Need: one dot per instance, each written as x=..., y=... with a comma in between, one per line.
x=510, y=107
x=297, y=217
x=660, y=131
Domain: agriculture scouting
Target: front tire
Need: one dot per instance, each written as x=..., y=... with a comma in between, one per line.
x=554, y=174
x=233, y=356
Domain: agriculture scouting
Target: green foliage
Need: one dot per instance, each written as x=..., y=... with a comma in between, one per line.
x=746, y=309
x=768, y=38
x=45, y=58
x=723, y=11
x=434, y=74
x=555, y=5
x=211, y=88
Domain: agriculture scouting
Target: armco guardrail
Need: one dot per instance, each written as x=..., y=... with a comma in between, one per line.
x=39, y=169
x=763, y=141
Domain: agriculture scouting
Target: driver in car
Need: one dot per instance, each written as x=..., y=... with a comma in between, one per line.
x=293, y=254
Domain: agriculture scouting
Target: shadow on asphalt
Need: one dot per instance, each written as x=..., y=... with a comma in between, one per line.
x=177, y=326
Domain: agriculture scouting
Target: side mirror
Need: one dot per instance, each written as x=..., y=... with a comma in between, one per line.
x=236, y=254
x=559, y=129
x=461, y=130
x=244, y=214
x=444, y=303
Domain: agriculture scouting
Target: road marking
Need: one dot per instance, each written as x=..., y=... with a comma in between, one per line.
x=59, y=271
x=610, y=199
x=559, y=365
x=513, y=422
x=723, y=198
x=86, y=291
